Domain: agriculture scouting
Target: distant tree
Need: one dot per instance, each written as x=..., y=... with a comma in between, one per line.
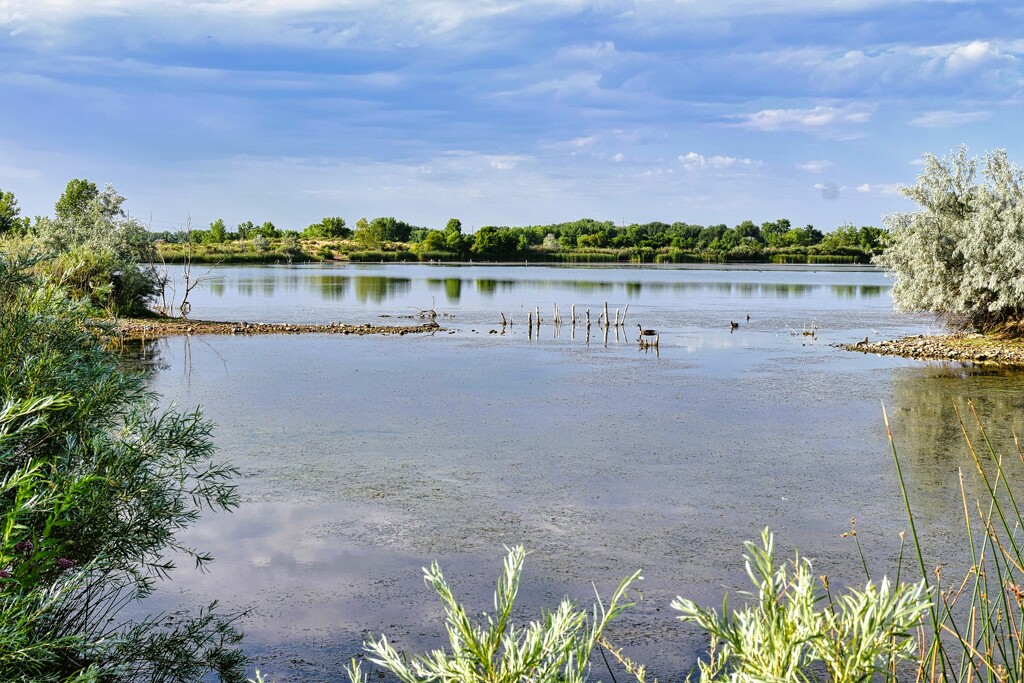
x=245, y=230
x=772, y=232
x=960, y=256
x=434, y=241
x=493, y=243
x=454, y=225
x=10, y=222
x=747, y=231
x=268, y=230
x=331, y=227
x=217, y=233
x=76, y=198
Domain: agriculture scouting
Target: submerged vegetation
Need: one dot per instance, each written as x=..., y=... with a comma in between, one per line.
x=95, y=484
x=793, y=626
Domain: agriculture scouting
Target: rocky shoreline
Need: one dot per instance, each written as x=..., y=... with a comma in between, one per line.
x=966, y=348
x=149, y=328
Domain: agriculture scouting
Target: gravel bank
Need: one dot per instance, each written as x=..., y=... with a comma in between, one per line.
x=143, y=328
x=972, y=348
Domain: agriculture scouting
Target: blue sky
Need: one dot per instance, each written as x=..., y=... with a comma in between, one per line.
x=502, y=112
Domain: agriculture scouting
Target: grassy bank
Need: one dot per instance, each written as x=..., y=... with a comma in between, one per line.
x=292, y=250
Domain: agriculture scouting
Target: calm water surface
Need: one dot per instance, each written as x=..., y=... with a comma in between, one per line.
x=364, y=458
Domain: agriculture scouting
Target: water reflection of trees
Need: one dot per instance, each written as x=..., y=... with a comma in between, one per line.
x=216, y=286
x=855, y=291
x=329, y=287
x=490, y=287
x=929, y=438
x=377, y=289
x=452, y=287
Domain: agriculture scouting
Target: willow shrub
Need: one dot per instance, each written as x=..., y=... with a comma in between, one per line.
x=553, y=649
x=961, y=254
x=95, y=484
x=793, y=628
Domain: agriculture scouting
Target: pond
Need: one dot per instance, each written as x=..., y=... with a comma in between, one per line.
x=365, y=458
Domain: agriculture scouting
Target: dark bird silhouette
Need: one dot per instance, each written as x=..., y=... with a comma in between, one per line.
x=733, y=325
x=748, y=317
x=647, y=333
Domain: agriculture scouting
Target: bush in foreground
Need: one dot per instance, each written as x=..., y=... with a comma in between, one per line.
x=95, y=484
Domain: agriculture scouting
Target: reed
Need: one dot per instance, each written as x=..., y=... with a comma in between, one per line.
x=976, y=622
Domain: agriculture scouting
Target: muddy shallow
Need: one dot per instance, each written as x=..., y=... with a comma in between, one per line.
x=365, y=458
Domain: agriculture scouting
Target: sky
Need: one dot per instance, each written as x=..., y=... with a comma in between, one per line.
x=502, y=112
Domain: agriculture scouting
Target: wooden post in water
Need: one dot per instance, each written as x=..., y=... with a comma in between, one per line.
x=624, y=311
x=572, y=310
x=538, y=317
x=607, y=321
x=529, y=324
x=588, y=323
x=616, y=320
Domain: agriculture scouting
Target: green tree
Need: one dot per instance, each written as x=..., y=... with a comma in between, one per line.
x=434, y=241
x=245, y=230
x=961, y=254
x=218, y=232
x=78, y=194
x=98, y=250
x=268, y=230
x=330, y=227
x=493, y=243
x=10, y=223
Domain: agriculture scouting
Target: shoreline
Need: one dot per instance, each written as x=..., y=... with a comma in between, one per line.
x=966, y=348
x=149, y=328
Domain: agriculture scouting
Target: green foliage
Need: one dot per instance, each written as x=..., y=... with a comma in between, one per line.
x=782, y=636
x=95, y=484
x=961, y=255
x=78, y=195
x=331, y=227
x=553, y=649
x=495, y=244
x=218, y=232
x=98, y=249
x=10, y=222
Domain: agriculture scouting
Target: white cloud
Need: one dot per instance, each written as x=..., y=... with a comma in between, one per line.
x=972, y=55
x=948, y=119
x=619, y=157
x=878, y=188
x=815, y=166
x=820, y=119
x=693, y=160
x=505, y=163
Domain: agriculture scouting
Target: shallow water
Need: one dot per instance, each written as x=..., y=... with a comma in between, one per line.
x=364, y=458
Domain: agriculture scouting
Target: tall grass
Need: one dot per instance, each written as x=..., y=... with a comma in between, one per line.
x=976, y=621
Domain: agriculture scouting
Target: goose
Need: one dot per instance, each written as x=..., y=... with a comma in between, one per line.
x=647, y=333
x=733, y=325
